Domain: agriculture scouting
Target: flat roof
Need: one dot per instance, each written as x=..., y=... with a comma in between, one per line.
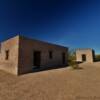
x=45, y=42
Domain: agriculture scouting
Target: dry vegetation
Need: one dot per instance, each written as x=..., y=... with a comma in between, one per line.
x=59, y=84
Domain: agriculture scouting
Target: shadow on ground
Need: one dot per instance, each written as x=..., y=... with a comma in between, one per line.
x=49, y=68
x=35, y=70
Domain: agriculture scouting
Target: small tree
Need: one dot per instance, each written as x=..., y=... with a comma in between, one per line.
x=72, y=59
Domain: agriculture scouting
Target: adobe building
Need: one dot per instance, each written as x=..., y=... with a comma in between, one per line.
x=21, y=55
x=85, y=55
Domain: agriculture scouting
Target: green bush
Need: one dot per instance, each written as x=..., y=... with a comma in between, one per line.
x=72, y=60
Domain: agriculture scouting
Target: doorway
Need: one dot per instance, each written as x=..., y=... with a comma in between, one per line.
x=63, y=58
x=83, y=57
x=37, y=59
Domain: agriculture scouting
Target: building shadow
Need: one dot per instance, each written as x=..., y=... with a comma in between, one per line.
x=41, y=69
x=55, y=67
x=96, y=60
x=48, y=68
x=79, y=62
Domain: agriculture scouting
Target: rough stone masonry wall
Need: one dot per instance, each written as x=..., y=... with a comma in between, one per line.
x=87, y=52
x=11, y=64
x=28, y=46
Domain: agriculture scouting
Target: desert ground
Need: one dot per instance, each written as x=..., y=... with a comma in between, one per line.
x=56, y=84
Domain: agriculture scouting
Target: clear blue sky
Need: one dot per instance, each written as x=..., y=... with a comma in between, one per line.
x=72, y=23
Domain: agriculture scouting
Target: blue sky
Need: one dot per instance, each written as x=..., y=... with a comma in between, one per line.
x=72, y=23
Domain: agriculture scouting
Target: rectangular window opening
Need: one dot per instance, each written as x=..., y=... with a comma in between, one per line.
x=7, y=54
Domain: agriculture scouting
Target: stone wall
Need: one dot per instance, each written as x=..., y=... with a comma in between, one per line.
x=28, y=46
x=11, y=64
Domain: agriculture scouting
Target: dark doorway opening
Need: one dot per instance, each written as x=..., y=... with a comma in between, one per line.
x=63, y=58
x=37, y=59
x=83, y=57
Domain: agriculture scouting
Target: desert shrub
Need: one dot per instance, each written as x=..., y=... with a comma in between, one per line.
x=72, y=59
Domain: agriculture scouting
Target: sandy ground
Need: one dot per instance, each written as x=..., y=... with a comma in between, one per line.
x=57, y=84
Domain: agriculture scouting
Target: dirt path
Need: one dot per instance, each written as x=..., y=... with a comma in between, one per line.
x=59, y=84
